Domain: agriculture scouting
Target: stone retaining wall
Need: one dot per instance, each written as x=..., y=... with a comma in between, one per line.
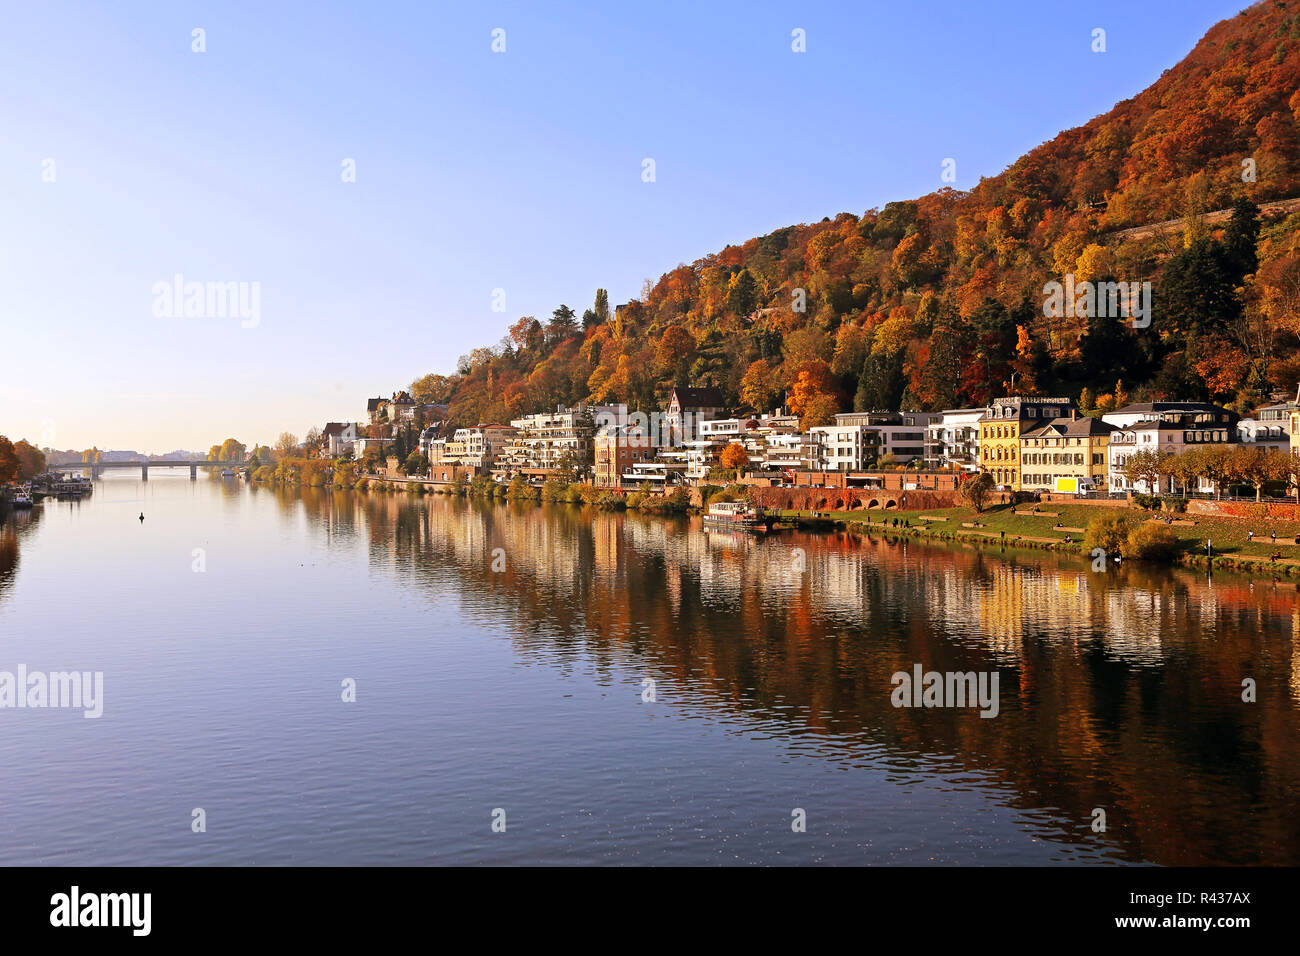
x=854, y=499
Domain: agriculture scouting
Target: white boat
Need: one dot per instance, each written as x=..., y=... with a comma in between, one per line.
x=227, y=473
x=734, y=516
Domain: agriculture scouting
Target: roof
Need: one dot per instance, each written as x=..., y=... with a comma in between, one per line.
x=1155, y=407
x=333, y=428
x=373, y=403
x=403, y=398
x=699, y=397
x=1072, y=428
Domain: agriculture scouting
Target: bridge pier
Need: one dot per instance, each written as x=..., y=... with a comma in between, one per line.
x=194, y=472
x=144, y=472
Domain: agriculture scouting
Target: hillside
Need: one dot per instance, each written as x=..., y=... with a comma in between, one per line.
x=938, y=302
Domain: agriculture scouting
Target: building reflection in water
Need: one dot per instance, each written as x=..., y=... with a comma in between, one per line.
x=1119, y=689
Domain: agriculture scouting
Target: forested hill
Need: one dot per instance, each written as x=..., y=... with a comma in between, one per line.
x=938, y=302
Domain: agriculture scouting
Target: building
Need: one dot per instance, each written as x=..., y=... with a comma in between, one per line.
x=687, y=408
x=482, y=443
x=545, y=441
x=903, y=437
x=339, y=438
x=1170, y=434
x=955, y=438
x=1001, y=426
x=1264, y=434
x=1187, y=414
x=618, y=449
x=1066, y=455
x=376, y=410
x=401, y=408
x=844, y=447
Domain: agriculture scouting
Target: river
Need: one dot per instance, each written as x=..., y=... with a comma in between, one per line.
x=548, y=684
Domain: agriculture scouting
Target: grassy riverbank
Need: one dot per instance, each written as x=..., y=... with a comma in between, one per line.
x=1062, y=527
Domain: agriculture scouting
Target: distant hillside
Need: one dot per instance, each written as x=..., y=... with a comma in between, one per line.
x=938, y=301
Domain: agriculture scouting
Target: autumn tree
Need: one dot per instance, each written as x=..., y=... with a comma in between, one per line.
x=734, y=456
x=813, y=379
x=431, y=389
x=8, y=461
x=285, y=445
x=760, y=386
x=1144, y=467
x=31, y=460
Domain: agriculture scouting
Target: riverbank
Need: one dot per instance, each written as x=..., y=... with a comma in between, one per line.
x=1061, y=527
x=1273, y=550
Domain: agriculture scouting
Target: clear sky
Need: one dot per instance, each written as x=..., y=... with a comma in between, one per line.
x=475, y=171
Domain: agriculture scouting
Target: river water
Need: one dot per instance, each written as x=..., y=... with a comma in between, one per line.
x=547, y=684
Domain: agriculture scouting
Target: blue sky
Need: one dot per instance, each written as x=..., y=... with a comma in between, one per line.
x=474, y=171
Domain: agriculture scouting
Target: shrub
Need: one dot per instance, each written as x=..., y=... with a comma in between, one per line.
x=1108, y=532
x=554, y=490
x=1151, y=541
x=1174, y=503
x=1147, y=502
x=521, y=490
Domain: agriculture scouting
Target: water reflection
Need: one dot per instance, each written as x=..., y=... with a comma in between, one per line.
x=14, y=526
x=1119, y=690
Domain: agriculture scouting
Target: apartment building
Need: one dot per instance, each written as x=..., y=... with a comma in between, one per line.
x=482, y=443
x=1001, y=427
x=1168, y=435
x=1186, y=414
x=1264, y=434
x=541, y=442
x=954, y=439
x=844, y=447
x=902, y=436
x=1066, y=455
x=617, y=449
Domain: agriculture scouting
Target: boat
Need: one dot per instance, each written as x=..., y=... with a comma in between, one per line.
x=227, y=473
x=21, y=500
x=735, y=516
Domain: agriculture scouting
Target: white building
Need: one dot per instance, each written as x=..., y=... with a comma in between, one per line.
x=955, y=438
x=1260, y=434
x=1165, y=437
x=844, y=447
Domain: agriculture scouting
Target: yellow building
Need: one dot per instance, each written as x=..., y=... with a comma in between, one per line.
x=1066, y=454
x=1001, y=428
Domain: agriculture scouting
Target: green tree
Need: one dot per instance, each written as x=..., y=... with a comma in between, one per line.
x=742, y=297
x=416, y=464
x=977, y=489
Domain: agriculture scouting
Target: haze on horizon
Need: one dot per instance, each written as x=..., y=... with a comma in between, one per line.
x=475, y=171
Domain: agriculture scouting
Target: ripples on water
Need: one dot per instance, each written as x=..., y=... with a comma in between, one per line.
x=522, y=689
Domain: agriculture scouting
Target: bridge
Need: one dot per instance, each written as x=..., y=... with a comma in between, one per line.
x=96, y=468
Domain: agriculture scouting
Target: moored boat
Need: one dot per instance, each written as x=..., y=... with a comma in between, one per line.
x=735, y=516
